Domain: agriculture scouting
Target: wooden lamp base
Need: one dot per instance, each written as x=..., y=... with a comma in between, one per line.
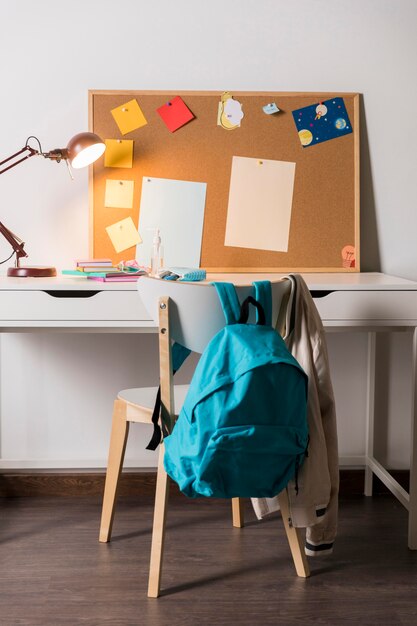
x=31, y=271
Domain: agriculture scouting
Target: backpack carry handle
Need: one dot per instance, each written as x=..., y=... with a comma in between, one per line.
x=244, y=311
x=236, y=313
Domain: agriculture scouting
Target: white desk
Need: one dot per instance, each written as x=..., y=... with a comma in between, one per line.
x=370, y=302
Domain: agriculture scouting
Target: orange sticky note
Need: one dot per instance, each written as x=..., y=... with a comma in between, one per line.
x=175, y=113
x=123, y=234
x=119, y=194
x=129, y=116
x=119, y=153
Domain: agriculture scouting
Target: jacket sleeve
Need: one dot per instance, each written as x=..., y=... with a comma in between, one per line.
x=323, y=534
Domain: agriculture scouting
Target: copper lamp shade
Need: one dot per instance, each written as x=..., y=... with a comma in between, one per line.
x=83, y=149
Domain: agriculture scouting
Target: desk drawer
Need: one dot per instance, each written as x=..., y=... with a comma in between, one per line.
x=368, y=305
x=64, y=305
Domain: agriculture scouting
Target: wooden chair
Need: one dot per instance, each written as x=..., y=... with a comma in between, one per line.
x=191, y=315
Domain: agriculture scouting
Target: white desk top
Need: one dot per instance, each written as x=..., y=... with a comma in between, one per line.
x=364, y=281
x=332, y=281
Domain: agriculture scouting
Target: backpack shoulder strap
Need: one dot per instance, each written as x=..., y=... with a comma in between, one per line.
x=179, y=354
x=229, y=301
x=263, y=294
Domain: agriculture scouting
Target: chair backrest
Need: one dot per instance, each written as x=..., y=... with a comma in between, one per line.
x=195, y=311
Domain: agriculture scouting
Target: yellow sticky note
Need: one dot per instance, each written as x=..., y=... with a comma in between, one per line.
x=119, y=153
x=123, y=234
x=119, y=194
x=129, y=116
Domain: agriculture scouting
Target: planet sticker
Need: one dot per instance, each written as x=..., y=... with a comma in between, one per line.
x=305, y=137
x=340, y=123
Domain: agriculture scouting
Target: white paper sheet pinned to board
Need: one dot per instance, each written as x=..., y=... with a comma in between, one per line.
x=176, y=207
x=260, y=204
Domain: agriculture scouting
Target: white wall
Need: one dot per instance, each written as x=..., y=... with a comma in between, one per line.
x=57, y=391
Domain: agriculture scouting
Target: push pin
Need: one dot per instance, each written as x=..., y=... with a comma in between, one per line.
x=260, y=162
x=124, y=109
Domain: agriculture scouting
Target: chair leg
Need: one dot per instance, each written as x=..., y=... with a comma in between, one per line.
x=294, y=538
x=158, y=531
x=118, y=439
x=237, y=512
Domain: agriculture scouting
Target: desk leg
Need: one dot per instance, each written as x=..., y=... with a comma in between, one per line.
x=370, y=411
x=412, y=510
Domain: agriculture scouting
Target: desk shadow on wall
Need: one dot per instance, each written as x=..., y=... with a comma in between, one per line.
x=369, y=244
x=393, y=399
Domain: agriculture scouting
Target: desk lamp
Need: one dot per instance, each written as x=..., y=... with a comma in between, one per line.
x=82, y=150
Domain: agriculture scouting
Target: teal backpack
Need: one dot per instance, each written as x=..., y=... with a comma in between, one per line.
x=242, y=431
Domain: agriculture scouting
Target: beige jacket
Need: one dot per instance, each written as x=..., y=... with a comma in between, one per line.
x=316, y=504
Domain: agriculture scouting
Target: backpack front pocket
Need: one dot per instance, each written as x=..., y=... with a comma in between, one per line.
x=250, y=461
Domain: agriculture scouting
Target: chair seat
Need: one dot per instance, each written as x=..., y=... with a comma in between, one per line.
x=144, y=397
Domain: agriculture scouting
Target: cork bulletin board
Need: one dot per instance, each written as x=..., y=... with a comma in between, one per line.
x=324, y=218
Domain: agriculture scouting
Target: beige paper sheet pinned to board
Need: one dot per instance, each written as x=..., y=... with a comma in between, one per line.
x=260, y=203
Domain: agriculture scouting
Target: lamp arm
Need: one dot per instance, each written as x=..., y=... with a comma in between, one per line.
x=31, y=152
x=56, y=155
x=75, y=147
x=16, y=243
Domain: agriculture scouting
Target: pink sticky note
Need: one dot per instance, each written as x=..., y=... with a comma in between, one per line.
x=175, y=113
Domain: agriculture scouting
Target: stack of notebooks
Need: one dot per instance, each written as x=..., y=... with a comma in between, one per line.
x=103, y=270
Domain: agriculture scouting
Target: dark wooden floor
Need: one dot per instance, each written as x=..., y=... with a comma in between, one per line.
x=55, y=573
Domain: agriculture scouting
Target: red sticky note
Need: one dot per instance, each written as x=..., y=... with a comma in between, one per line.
x=175, y=113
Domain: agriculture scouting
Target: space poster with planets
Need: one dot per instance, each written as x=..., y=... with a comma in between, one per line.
x=322, y=121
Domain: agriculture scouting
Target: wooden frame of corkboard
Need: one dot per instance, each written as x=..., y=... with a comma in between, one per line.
x=325, y=209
